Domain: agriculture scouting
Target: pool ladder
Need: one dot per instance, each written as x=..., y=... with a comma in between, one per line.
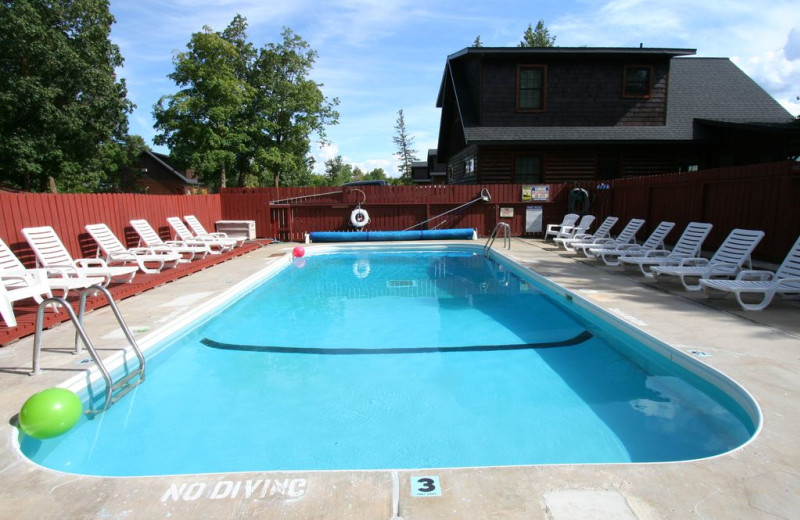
x=114, y=390
x=506, y=229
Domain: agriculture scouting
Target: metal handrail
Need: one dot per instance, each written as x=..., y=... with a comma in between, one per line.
x=496, y=231
x=123, y=385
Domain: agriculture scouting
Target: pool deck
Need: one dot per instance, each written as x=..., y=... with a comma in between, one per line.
x=760, y=350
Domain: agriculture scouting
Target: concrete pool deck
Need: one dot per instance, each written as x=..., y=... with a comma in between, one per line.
x=760, y=350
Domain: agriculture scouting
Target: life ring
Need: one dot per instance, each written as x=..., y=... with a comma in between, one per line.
x=361, y=268
x=578, y=201
x=359, y=218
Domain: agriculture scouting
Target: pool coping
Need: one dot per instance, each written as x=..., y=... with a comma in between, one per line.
x=755, y=481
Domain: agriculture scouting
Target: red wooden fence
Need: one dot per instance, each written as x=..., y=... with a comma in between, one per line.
x=390, y=208
x=765, y=197
x=69, y=213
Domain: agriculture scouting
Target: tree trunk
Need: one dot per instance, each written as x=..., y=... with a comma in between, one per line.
x=223, y=181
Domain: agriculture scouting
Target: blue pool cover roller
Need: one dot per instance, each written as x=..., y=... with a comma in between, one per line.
x=382, y=236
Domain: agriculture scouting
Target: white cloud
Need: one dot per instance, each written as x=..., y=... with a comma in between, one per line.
x=792, y=47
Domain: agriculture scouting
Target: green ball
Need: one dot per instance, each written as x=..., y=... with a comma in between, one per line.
x=50, y=413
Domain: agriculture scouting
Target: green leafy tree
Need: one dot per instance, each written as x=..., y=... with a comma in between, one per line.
x=405, y=153
x=287, y=109
x=202, y=123
x=377, y=174
x=60, y=100
x=117, y=160
x=539, y=37
x=477, y=42
x=242, y=113
x=337, y=171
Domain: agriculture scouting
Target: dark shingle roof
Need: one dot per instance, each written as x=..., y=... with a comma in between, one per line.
x=162, y=159
x=712, y=89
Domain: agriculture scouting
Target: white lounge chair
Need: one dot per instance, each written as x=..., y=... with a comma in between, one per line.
x=726, y=262
x=200, y=231
x=16, y=275
x=569, y=220
x=687, y=246
x=764, y=284
x=150, y=260
x=32, y=285
x=602, y=231
x=149, y=237
x=53, y=256
x=215, y=246
x=610, y=256
x=626, y=236
x=580, y=227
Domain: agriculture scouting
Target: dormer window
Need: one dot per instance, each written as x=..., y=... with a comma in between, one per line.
x=530, y=88
x=638, y=81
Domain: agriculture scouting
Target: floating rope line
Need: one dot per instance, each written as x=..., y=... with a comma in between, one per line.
x=577, y=340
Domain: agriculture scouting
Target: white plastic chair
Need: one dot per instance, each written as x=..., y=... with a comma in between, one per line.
x=626, y=236
x=569, y=220
x=215, y=246
x=610, y=256
x=580, y=227
x=14, y=273
x=761, y=283
x=31, y=285
x=602, y=231
x=150, y=260
x=53, y=256
x=150, y=238
x=687, y=246
x=726, y=262
x=200, y=231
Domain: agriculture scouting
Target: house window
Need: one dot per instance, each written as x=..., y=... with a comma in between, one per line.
x=637, y=81
x=527, y=170
x=530, y=88
x=469, y=167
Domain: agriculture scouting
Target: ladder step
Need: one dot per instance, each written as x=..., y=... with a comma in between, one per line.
x=124, y=391
x=123, y=381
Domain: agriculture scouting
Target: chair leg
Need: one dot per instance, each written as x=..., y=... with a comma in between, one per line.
x=768, y=295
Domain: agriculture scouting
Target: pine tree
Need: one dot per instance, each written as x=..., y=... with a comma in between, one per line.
x=405, y=153
x=539, y=37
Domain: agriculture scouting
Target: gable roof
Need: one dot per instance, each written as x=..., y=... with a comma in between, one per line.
x=700, y=91
x=162, y=160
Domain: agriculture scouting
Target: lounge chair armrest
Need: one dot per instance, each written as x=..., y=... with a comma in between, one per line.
x=11, y=277
x=693, y=262
x=91, y=262
x=753, y=274
x=794, y=283
x=721, y=267
x=654, y=253
x=61, y=271
x=176, y=243
x=602, y=241
x=159, y=249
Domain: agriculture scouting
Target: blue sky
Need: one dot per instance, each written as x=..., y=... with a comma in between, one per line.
x=380, y=56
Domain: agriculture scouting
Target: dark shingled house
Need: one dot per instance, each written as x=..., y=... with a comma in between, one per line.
x=529, y=115
x=156, y=176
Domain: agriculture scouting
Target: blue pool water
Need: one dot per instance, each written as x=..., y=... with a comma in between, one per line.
x=369, y=360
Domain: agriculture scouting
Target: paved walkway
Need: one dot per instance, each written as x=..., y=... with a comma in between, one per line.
x=759, y=481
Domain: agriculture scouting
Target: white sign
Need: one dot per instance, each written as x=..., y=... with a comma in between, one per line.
x=536, y=193
x=425, y=487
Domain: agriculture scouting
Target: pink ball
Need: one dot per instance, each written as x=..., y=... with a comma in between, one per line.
x=298, y=252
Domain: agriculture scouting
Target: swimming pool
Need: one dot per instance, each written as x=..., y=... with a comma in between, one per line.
x=365, y=359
